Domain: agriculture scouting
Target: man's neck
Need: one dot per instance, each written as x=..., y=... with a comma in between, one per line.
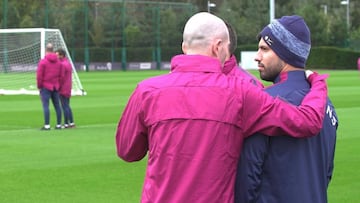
x=288, y=68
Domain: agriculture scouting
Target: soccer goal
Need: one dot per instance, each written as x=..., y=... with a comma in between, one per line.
x=20, y=52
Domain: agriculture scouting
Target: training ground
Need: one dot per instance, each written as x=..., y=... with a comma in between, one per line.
x=80, y=165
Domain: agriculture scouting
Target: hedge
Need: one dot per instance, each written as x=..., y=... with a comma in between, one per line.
x=319, y=58
x=332, y=58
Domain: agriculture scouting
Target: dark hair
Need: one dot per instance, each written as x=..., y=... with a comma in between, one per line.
x=232, y=38
x=61, y=52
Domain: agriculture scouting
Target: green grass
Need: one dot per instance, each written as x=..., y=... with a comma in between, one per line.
x=80, y=165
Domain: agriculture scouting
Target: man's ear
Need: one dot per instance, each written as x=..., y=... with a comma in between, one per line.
x=183, y=47
x=215, y=48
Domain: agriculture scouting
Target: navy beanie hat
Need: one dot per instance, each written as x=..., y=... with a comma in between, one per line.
x=289, y=38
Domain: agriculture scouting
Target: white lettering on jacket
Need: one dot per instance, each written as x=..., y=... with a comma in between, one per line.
x=329, y=112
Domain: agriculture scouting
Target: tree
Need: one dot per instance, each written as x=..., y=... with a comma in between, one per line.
x=170, y=29
x=107, y=20
x=133, y=35
x=247, y=17
x=317, y=23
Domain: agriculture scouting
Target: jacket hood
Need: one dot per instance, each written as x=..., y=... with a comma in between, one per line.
x=51, y=57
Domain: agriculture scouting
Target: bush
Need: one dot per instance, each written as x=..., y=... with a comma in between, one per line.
x=319, y=58
x=332, y=58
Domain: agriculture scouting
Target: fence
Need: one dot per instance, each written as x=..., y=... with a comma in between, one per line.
x=115, y=31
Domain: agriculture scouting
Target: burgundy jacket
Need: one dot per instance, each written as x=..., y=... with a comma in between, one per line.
x=191, y=123
x=65, y=89
x=49, y=72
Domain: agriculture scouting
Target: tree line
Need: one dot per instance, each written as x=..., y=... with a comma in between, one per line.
x=137, y=24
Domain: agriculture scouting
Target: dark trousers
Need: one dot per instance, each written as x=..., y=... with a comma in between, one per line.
x=68, y=116
x=46, y=95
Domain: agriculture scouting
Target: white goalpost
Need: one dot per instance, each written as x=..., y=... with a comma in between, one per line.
x=20, y=52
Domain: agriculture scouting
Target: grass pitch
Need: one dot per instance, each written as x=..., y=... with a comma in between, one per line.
x=80, y=165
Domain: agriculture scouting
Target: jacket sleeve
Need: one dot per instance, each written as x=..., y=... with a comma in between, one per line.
x=40, y=75
x=330, y=168
x=131, y=134
x=62, y=76
x=272, y=116
x=250, y=168
x=330, y=128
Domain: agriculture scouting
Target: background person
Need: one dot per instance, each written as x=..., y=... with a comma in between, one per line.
x=282, y=169
x=231, y=66
x=65, y=89
x=191, y=121
x=48, y=75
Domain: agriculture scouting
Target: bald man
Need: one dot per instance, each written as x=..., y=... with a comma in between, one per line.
x=191, y=122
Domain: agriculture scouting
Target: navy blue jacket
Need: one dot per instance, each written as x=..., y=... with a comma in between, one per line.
x=282, y=169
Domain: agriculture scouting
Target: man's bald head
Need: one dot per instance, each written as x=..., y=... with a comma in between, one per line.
x=49, y=47
x=205, y=34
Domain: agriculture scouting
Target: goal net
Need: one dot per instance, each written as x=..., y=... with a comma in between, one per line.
x=20, y=52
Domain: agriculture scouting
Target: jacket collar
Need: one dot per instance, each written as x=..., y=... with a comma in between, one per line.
x=195, y=63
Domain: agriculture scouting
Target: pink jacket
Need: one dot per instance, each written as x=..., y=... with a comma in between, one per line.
x=49, y=72
x=66, y=85
x=192, y=122
x=231, y=68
